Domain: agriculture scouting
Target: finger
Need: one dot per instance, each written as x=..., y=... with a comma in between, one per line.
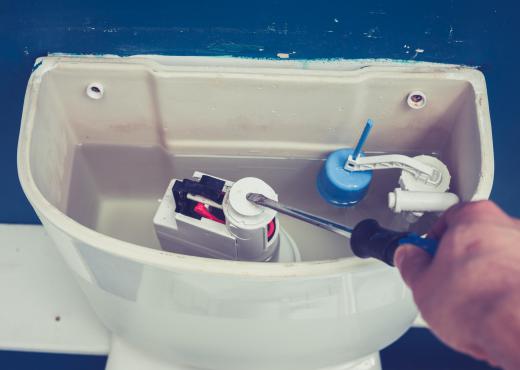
x=479, y=211
x=483, y=211
x=440, y=226
x=412, y=262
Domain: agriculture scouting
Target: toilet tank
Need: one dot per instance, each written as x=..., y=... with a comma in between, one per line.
x=102, y=137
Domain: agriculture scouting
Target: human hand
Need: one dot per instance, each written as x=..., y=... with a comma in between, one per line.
x=469, y=294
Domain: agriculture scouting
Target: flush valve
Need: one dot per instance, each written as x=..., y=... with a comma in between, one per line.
x=208, y=216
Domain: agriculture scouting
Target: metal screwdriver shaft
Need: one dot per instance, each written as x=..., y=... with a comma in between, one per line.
x=300, y=215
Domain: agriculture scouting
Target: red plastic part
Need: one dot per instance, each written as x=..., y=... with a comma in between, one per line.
x=201, y=210
x=270, y=229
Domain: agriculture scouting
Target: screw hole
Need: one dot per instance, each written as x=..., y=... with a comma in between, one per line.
x=95, y=91
x=416, y=100
x=57, y=318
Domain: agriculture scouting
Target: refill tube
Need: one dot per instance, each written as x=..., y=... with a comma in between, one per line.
x=420, y=201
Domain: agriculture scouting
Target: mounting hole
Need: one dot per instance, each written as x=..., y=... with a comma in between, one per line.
x=95, y=91
x=416, y=100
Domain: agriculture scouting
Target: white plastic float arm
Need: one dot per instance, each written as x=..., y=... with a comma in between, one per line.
x=418, y=169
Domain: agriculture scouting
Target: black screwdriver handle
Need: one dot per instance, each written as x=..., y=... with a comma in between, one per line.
x=369, y=239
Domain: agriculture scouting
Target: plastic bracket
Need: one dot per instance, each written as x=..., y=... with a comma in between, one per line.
x=418, y=169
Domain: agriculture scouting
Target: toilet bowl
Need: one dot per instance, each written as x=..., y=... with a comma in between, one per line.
x=102, y=137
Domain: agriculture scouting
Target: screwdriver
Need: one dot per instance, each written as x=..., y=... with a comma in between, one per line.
x=367, y=238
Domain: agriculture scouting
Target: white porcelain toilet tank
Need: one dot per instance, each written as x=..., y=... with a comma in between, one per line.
x=102, y=138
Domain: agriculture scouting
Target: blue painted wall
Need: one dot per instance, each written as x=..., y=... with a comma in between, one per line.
x=480, y=33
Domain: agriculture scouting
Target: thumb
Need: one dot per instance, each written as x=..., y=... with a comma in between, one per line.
x=411, y=262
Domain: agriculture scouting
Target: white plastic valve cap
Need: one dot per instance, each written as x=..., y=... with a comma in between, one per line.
x=243, y=213
x=420, y=201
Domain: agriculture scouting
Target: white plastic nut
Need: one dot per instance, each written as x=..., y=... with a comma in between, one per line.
x=244, y=214
x=95, y=91
x=416, y=100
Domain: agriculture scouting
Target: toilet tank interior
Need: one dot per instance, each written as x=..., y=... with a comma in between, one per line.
x=106, y=162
